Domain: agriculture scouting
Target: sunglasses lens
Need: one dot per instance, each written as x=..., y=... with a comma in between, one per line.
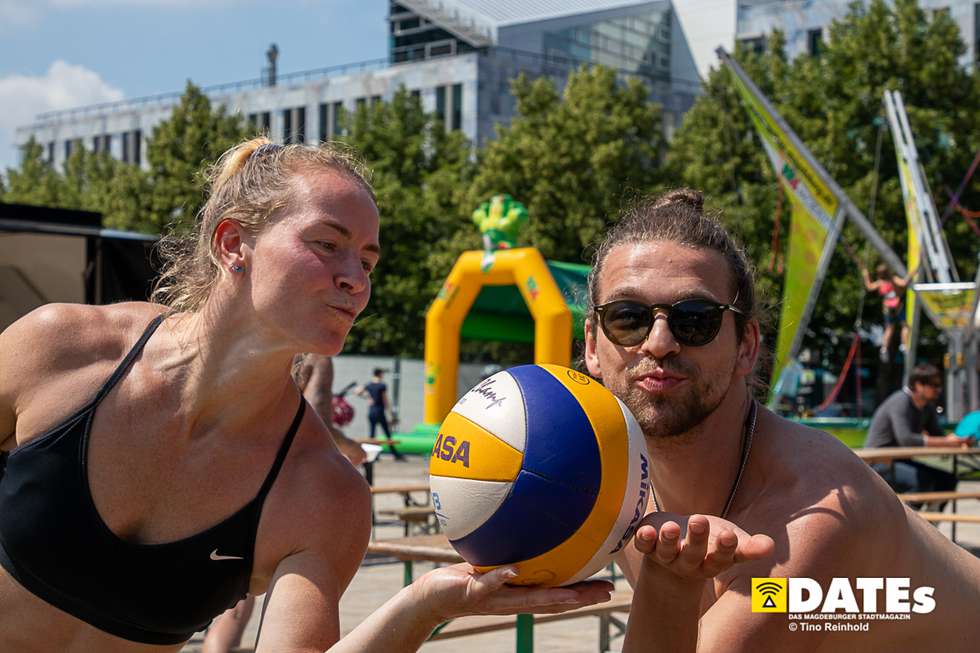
x=695, y=322
x=626, y=323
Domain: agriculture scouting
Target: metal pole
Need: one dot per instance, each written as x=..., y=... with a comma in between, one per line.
x=852, y=211
x=525, y=633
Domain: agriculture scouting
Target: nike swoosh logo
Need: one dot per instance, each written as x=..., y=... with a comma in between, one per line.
x=216, y=556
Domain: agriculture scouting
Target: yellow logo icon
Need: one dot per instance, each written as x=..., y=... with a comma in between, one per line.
x=769, y=594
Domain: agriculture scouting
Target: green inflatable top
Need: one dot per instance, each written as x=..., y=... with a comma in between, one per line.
x=500, y=314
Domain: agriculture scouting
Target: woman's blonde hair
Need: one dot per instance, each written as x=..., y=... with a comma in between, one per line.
x=249, y=183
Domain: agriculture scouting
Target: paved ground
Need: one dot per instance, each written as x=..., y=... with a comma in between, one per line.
x=377, y=581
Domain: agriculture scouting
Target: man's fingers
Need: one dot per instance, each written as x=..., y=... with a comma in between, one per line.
x=668, y=544
x=646, y=539
x=695, y=544
x=755, y=548
x=722, y=556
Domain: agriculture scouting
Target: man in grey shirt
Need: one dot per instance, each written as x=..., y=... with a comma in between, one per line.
x=908, y=419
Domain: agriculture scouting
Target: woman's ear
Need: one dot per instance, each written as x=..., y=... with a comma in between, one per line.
x=227, y=244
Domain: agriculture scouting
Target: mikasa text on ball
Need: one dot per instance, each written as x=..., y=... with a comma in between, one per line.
x=542, y=467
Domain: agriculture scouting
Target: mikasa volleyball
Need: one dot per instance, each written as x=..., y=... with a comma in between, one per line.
x=542, y=467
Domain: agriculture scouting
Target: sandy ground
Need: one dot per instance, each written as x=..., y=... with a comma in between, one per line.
x=378, y=580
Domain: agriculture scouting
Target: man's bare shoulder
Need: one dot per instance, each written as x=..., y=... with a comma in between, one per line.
x=816, y=499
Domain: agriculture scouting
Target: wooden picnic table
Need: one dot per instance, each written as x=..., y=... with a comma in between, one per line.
x=890, y=455
x=404, y=488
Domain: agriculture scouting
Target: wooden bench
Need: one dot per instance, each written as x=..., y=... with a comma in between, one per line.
x=925, y=497
x=475, y=625
x=420, y=516
x=936, y=517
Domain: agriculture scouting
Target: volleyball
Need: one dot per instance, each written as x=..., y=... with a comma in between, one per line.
x=541, y=467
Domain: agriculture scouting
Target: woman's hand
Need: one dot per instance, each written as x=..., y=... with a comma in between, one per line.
x=697, y=547
x=460, y=590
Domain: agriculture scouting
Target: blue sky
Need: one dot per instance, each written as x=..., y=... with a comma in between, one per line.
x=56, y=54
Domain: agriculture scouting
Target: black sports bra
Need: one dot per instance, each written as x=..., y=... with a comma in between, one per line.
x=55, y=544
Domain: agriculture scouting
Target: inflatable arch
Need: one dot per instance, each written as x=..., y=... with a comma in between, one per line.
x=479, y=301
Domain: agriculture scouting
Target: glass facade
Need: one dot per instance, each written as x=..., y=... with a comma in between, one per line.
x=635, y=44
x=413, y=38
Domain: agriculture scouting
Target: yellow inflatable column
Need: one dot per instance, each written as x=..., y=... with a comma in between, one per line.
x=523, y=267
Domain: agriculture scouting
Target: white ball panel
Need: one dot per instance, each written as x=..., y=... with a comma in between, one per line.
x=497, y=405
x=462, y=504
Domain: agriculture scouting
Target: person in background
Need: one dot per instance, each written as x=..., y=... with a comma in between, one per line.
x=908, y=418
x=890, y=287
x=314, y=376
x=377, y=392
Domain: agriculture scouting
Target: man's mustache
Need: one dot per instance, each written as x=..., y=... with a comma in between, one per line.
x=669, y=365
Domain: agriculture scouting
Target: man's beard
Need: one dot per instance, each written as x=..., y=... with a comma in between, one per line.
x=672, y=415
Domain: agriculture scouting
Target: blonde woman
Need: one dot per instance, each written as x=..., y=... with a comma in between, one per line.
x=161, y=464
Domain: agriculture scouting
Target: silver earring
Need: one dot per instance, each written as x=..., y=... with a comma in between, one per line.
x=237, y=268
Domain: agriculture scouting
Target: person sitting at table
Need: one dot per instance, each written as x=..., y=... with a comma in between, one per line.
x=908, y=418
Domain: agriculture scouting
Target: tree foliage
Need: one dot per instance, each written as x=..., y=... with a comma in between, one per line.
x=834, y=103
x=573, y=158
x=419, y=171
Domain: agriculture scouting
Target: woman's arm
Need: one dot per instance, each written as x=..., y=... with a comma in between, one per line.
x=302, y=613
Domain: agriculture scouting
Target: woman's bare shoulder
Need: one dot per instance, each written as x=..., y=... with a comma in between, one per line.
x=58, y=338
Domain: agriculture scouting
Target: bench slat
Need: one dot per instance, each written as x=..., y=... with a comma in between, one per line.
x=938, y=496
x=945, y=516
x=476, y=625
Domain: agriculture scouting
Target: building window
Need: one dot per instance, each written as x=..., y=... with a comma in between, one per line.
x=287, y=125
x=323, y=121
x=814, y=41
x=457, y=121
x=336, y=120
x=299, y=136
x=69, y=144
x=441, y=103
x=137, y=143
x=125, y=147
x=417, y=95
x=360, y=104
x=51, y=152
x=375, y=100
x=102, y=143
x=756, y=44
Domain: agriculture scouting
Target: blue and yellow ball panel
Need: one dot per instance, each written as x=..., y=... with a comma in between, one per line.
x=466, y=450
x=537, y=515
x=561, y=445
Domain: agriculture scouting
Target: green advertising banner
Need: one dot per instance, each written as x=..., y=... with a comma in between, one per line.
x=813, y=209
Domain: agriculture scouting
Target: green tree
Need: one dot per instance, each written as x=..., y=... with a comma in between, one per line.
x=572, y=158
x=34, y=181
x=179, y=150
x=834, y=103
x=419, y=171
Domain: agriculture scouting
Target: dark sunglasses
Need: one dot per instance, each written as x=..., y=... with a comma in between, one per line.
x=692, y=322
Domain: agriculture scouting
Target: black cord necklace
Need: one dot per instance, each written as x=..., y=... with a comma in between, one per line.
x=748, y=431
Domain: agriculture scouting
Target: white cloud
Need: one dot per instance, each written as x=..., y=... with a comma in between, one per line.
x=64, y=86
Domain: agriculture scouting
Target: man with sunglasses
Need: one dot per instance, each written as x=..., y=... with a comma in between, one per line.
x=908, y=419
x=673, y=331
